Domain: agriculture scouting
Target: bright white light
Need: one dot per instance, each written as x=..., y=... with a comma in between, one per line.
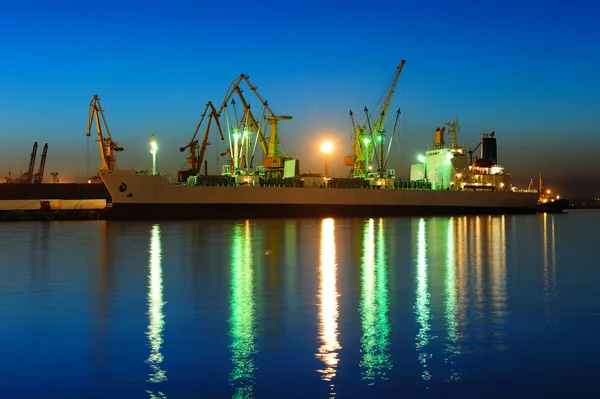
x=327, y=147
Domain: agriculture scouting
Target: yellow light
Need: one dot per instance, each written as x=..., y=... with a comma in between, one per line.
x=547, y=191
x=558, y=197
x=501, y=184
x=327, y=147
x=459, y=175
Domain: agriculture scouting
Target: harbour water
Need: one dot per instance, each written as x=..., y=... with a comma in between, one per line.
x=478, y=306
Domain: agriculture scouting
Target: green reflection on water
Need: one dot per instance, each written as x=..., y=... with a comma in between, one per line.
x=422, y=310
x=450, y=310
x=155, y=311
x=242, y=317
x=328, y=304
x=374, y=305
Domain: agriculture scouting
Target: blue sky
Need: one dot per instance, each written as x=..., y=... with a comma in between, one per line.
x=524, y=69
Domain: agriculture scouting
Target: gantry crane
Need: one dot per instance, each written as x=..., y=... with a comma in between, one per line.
x=39, y=176
x=274, y=157
x=107, y=145
x=366, y=141
x=197, y=154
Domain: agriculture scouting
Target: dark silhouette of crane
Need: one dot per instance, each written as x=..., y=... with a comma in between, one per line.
x=39, y=176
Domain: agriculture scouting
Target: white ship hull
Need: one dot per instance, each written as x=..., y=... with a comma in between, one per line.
x=138, y=196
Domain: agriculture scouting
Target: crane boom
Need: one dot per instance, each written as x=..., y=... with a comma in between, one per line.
x=195, y=161
x=40, y=175
x=269, y=146
x=385, y=105
x=29, y=176
x=366, y=142
x=107, y=145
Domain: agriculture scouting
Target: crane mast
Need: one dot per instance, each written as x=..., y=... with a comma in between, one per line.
x=107, y=145
x=367, y=141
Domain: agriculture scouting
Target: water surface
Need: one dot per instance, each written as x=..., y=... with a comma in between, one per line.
x=478, y=306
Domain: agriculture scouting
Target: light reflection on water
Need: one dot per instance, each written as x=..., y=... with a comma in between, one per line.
x=452, y=349
x=549, y=256
x=422, y=302
x=469, y=299
x=328, y=305
x=242, y=313
x=375, y=345
x=155, y=312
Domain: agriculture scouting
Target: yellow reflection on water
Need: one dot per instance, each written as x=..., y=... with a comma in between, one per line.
x=242, y=312
x=549, y=258
x=328, y=304
x=155, y=311
x=422, y=301
x=374, y=304
x=497, y=250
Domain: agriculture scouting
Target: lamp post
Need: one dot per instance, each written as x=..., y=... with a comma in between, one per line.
x=153, y=150
x=326, y=149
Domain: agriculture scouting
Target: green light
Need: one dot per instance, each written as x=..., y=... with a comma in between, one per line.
x=242, y=316
x=421, y=158
x=380, y=138
x=366, y=140
x=422, y=311
x=375, y=344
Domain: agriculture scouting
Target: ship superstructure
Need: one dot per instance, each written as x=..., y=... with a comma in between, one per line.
x=451, y=167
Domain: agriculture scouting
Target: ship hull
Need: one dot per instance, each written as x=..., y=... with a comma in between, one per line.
x=251, y=211
x=557, y=206
x=146, y=197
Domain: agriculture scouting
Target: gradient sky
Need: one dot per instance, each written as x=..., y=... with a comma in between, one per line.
x=527, y=70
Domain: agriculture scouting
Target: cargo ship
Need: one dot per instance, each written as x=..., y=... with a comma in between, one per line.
x=446, y=181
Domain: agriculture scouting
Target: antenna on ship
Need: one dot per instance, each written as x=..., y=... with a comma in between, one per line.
x=454, y=127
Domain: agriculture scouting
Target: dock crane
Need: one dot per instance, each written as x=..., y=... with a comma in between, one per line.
x=366, y=142
x=28, y=176
x=107, y=145
x=274, y=157
x=39, y=176
x=197, y=154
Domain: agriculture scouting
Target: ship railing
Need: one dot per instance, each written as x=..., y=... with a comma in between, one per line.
x=526, y=190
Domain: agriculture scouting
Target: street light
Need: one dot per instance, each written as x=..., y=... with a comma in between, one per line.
x=326, y=149
x=153, y=151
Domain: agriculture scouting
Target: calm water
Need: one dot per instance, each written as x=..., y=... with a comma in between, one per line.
x=411, y=307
